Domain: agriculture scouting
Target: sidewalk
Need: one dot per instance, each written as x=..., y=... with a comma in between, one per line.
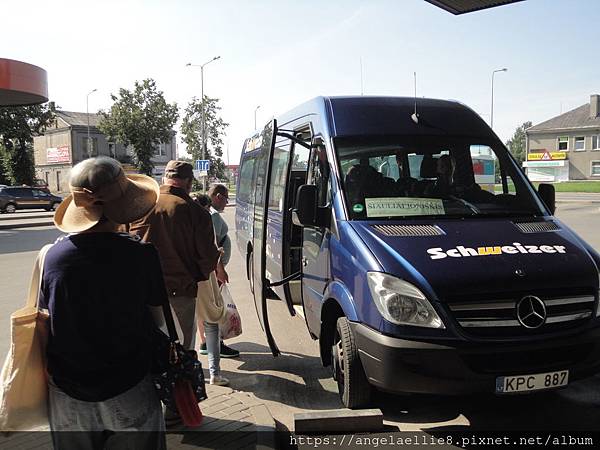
x=232, y=420
x=577, y=197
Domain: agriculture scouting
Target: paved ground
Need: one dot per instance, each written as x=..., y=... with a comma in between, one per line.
x=232, y=420
x=296, y=381
x=589, y=197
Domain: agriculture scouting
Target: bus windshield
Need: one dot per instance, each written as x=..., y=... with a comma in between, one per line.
x=431, y=176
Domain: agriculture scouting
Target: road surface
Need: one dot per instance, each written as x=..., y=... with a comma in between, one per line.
x=296, y=381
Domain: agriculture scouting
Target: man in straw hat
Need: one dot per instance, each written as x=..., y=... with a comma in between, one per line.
x=97, y=285
x=183, y=233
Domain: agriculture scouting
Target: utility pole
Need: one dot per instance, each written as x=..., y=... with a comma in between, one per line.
x=492, y=106
x=256, y=109
x=87, y=113
x=203, y=121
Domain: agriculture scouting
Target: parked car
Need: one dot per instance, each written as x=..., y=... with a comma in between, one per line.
x=40, y=184
x=23, y=197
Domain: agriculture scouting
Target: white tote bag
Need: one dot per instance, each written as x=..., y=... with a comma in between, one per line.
x=24, y=379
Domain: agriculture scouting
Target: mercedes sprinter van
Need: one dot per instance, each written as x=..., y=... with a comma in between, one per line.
x=422, y=257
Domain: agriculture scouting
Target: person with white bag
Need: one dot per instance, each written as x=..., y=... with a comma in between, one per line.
x=218, y=195
x=98, y=286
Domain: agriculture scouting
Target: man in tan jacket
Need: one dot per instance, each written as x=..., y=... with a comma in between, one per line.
x=183, y=233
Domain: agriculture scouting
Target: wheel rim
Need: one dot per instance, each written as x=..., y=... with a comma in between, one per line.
x=54, y=206
x=11, y=208
x=338, y=364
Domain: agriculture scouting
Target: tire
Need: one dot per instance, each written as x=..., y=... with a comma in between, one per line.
x=10, y=208
x=54, y=206
x=353, y=386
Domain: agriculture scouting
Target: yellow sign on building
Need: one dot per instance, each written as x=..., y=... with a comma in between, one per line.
x=546, y=156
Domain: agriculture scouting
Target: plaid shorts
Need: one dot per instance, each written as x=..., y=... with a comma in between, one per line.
x=110, y=423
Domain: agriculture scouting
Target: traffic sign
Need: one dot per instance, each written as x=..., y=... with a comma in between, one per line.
x=202, y=165
x=200, y=173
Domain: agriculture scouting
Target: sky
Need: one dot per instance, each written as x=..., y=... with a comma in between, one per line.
x=277, y=54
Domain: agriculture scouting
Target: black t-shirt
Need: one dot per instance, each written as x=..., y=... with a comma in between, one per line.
x=97, y=288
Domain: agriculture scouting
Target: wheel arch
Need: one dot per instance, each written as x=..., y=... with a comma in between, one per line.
x=338, y=304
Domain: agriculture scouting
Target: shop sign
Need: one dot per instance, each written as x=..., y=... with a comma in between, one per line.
x=543, y=164
x=58, y=154
x=546, y=156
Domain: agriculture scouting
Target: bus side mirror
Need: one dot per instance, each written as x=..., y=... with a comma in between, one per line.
x=548, y=195
x=305, y=213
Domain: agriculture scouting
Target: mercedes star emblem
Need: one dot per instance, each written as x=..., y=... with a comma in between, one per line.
x=531, y=312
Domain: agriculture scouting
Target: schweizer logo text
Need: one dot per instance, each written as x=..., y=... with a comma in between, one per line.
x=461, y=252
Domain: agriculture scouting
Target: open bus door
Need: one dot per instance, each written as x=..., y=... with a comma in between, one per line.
x=261, y=211
x=265, y=234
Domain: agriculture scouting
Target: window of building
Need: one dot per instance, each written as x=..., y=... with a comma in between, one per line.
x=89, y=147
x=160, y=150
x=47, y=177
x=111, y=150
x=563, y=144
x=595, y=169
x=579, y=143
x=596, y=142
x=58, y=181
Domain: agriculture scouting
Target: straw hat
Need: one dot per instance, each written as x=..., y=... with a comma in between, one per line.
x=99, y=187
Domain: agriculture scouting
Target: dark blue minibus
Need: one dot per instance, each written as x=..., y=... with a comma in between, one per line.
x=415, y=274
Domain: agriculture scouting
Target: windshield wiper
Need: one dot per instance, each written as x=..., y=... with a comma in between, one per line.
x=474, y=209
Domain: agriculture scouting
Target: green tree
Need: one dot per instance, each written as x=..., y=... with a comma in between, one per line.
x=516, y=144
x=18, y=126
x=191, y=130
x=141, y=118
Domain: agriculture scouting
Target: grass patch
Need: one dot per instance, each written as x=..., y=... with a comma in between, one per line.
x=575, y=186
x=565, y=186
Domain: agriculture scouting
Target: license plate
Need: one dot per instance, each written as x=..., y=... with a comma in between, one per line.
x=535, y=382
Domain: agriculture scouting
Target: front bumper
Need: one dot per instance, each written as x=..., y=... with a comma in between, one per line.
x=400, y=365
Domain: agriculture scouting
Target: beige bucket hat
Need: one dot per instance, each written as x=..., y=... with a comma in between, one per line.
x=99, y=187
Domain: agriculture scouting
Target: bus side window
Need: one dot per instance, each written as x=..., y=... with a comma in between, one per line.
x=319, y=174
x=246, y=181
x=279, y=175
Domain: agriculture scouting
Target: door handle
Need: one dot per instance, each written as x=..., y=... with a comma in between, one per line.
x=304, y=261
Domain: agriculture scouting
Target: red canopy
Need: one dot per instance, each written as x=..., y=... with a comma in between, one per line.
x=22, y=83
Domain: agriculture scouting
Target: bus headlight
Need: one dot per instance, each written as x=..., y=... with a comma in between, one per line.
x=402, y=303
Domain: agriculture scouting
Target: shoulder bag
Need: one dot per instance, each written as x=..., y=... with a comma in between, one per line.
x=177, y=374
x=24, y=379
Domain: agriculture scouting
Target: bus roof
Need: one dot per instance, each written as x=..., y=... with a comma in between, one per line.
x=376, y=116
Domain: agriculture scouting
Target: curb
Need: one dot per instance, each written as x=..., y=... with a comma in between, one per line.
x=5, y=216
x=10, y=226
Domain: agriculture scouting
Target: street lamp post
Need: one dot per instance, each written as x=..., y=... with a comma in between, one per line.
x=255, y=109
x=492, y=106
x=203, y=123
x=87, y=112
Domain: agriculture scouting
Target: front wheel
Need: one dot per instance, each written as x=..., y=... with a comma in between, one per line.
x=55, y=206
x=353, y=386
x=10, y=208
